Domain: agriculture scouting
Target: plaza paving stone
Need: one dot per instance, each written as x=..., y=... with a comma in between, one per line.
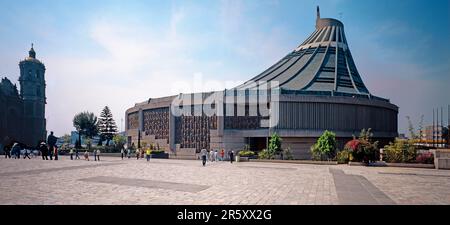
x=162, y=181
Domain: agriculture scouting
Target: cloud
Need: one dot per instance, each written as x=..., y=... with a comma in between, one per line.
x=135, y=61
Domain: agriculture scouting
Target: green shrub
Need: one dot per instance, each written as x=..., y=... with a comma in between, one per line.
x=325, y=148
x=288, y=154
x=246, y=153
x=275, y=145
x=315, y=152
x=401, y=151
x=265, y=154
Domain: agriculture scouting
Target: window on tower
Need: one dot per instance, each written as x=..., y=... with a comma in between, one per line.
x=29, y=73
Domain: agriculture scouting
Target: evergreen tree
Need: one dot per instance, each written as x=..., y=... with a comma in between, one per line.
x=106, y=125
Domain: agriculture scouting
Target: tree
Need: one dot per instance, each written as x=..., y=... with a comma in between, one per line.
x=119, y=141
x=106, y=125
x=412, y=133
x=66, y=138
x=86, y=124
x=366, y=150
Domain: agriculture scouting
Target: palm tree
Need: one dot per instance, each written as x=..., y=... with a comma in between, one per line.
x=86, y=124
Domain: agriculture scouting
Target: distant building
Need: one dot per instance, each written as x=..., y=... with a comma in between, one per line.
x=435, y=137
x=22, y=114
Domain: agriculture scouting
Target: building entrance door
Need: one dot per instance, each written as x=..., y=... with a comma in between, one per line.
x=257, y=144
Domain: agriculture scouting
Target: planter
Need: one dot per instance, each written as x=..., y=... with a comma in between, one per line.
x=238, y=158
x=411, y=165
x=160, y=155
x=295, y=161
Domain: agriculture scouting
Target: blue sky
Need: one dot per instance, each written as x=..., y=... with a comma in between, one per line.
x=117, y=53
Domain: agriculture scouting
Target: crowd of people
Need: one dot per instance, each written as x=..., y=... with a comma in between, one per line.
x=45, y=149
x=49, y=150
x=215, y=156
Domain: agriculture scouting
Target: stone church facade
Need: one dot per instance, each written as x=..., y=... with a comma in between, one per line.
x=22, y=113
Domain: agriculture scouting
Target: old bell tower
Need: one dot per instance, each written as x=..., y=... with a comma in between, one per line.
x=32, y=91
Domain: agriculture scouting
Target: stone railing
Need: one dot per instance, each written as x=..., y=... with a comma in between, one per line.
x=442, y=158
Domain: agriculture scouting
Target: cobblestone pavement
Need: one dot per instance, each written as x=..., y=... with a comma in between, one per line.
x=162, y=181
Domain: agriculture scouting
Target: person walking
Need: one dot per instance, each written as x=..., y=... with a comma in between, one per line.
x=203, y=154
x=26, y=153
x=71, y=154
x=231, y=156
x=94, y=153
x=7, y=152
x=98, y=154
x=16, y=150
x=86, y=155
x=148, y=154
x=55, y=149
x=122, y=152
x=222, y=155
x=208, y=155
x=129, y=153
x=138, y=152
x=216, y=156
x=211, y=153
x=77, y=156
x=51, y=140
x=44, y=150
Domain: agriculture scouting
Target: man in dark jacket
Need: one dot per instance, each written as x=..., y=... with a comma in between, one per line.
x=51, y=141
x=7, y=152
x=231, y=153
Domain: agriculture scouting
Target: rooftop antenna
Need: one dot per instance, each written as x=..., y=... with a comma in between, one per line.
x=432, y=132
x=442, y=127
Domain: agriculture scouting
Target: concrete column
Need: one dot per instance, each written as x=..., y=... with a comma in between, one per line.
x=171, y=130
x=141, y=120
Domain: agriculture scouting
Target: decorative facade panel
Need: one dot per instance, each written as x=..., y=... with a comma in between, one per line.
x=133, y=120
x=156, y=122
x=194, y=131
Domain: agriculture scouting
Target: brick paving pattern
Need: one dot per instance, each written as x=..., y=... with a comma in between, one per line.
x=162, y=181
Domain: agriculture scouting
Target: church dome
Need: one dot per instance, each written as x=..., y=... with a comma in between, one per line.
x=32, y=56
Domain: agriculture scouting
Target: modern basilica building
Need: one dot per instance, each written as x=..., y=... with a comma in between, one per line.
x=314, y=88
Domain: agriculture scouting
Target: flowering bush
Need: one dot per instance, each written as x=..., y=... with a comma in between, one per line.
x=425, y=158
x=363, y=149
x=352, y=145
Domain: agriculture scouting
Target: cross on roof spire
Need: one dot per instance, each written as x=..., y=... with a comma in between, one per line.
x=318, y=12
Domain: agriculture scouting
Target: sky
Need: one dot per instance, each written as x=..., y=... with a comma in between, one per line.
x=117, y=53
